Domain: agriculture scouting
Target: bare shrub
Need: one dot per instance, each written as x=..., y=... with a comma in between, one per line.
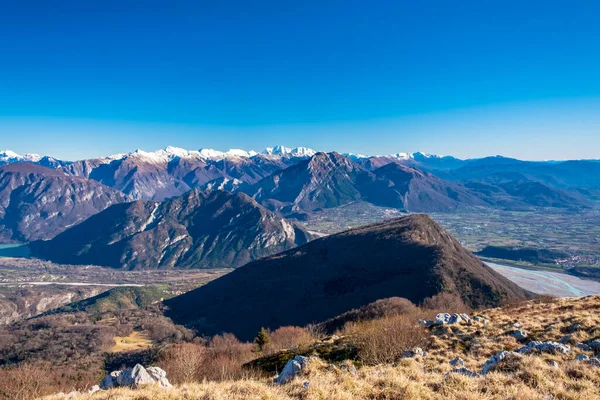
x=220, y=358
x=446, y=302
x=25, y=382
x=317, y=331
x=381, y=341
x=183, y=362
x=377, y=309
x=287, y=337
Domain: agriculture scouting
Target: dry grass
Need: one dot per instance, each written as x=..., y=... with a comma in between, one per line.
x=426, y=378
x=408, y=380
x=134, y=341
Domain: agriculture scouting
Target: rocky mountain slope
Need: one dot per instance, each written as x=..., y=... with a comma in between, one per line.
x=410, y=257
x=329, y=180
x=21, y=302
x=38, y=202
x=210, y=229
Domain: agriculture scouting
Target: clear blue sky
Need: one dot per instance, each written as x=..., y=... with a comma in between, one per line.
x=468, y=78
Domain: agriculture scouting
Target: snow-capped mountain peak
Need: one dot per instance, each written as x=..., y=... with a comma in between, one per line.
x=9, y=156
x=287, y=151
x=241, y=153
x=403, y=156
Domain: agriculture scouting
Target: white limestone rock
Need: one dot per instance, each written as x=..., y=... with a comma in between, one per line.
x=498, y=358
x=291, y=369
x=545, y=347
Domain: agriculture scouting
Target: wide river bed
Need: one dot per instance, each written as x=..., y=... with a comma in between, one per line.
x=546, y=282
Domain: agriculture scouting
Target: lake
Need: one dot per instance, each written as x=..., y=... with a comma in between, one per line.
x=14, y=250
x=546, y=282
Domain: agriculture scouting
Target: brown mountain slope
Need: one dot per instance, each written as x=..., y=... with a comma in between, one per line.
x=211, y=229
x=410, y=257
x=38, y=202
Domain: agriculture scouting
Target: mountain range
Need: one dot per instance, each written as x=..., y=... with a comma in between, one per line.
x=410, y=257
x=41, y=196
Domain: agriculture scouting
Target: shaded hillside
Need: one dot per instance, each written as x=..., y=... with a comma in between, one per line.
x=420, y=191
x=38, y=202
x=410, y=257
x=211, y=229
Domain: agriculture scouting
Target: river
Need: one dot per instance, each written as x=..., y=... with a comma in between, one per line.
x=546, y=282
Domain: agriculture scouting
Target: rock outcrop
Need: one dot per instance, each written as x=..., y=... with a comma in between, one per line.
x=291, y=370
x=135, y=377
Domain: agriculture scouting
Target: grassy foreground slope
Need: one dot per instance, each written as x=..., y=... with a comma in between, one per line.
x=531, y=377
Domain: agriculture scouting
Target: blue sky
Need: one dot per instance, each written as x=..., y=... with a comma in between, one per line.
x=89, y=78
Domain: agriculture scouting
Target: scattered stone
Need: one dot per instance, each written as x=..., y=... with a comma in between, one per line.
x=425, y=323
x=455, y=319
x=291, y=369
x=72, y=394
x=480, y=320
x=442, y=319
x=583, y=347
x=582, y=357
x=565, y=339
x=517, y=325
x=574, y=328
x=466, y=318
x=594, y=344
x=414, y=352
x=107, y=382
x=545, y=347
x=457, y=362
x=160, y=376
x=350, y=368
x=496, y=359
x=94, y=389
x=519, y=334
x=553, y=364
x=306, y=385
x=447, y=319
x=464, y=371
x=594, y=361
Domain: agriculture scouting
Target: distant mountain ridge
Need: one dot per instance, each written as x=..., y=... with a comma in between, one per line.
x=201, y=229
x=296, y=181
x=38, y=202
x=329, y=180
